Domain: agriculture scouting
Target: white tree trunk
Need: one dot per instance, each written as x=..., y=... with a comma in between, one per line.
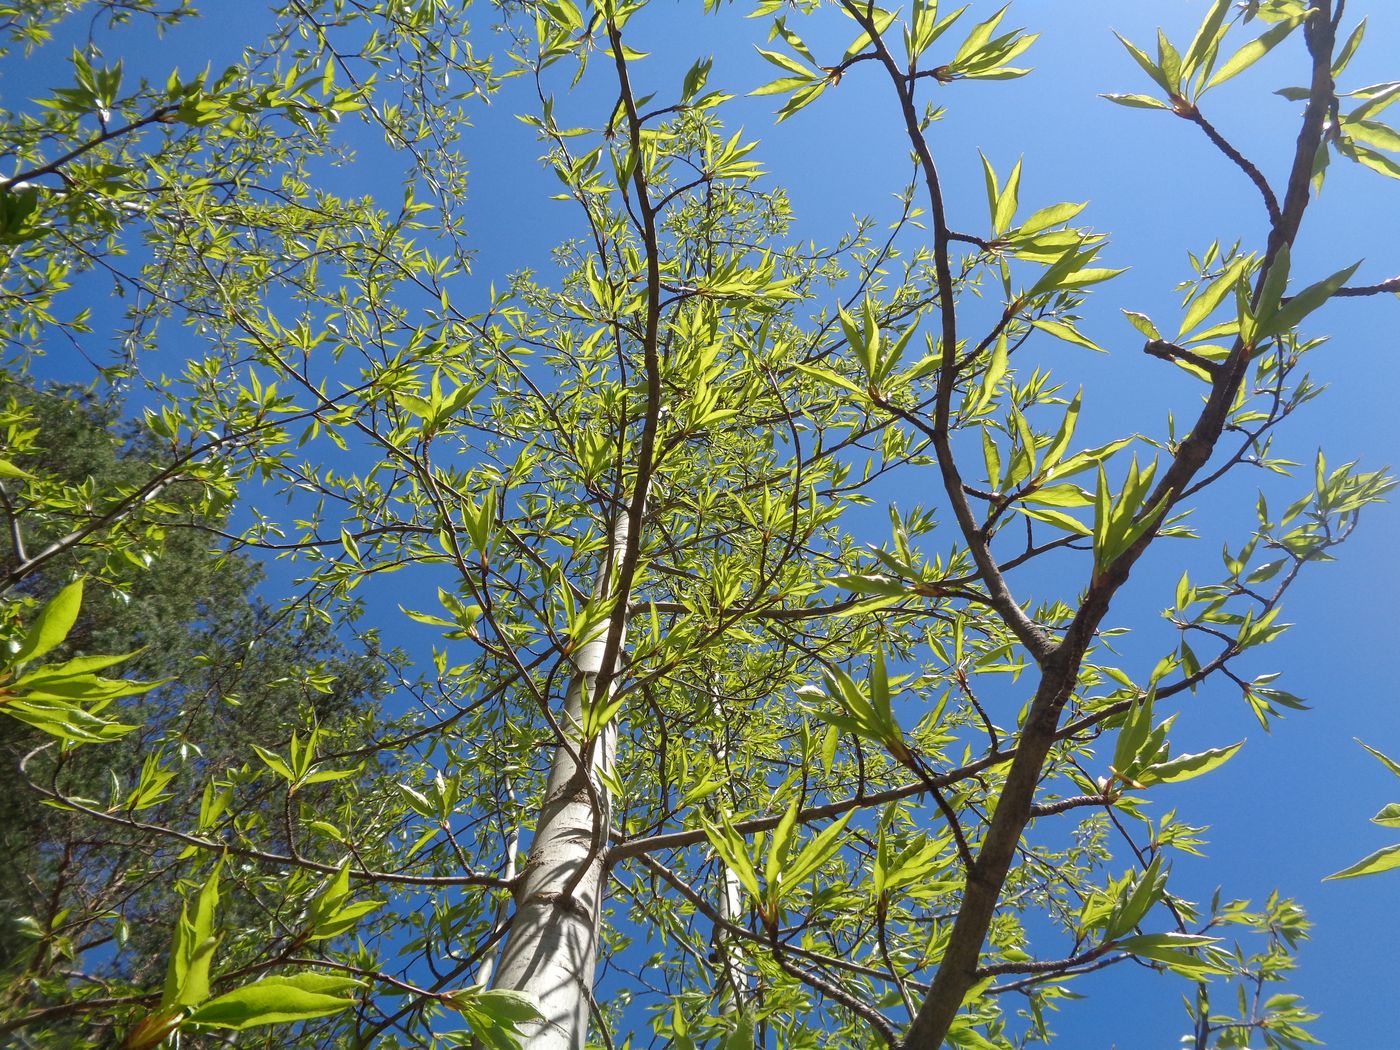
x=552, y=947
x=733, y=980
x=732, y=983
x=487, y=969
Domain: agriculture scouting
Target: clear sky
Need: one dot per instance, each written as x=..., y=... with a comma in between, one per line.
x=1294, y=805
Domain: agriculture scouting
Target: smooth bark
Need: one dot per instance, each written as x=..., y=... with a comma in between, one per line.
x=552, y=947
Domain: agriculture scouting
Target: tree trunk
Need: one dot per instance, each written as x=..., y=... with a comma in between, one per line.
x=733, y=979
x=487, y=970
x=552, y=946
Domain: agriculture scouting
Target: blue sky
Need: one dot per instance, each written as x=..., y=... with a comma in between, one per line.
x=1294, y=805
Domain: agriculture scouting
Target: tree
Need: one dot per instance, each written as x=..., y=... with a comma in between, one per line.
x=233, y=673
x=751, y=756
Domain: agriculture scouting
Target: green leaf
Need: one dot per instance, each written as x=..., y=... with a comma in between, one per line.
x=1170, y=950
x=1251, y=53
x=1136, y=899
x=53, y=624
x=780, y=843
x=64, y=718
x=1066, y=495
x=277, y=1000
x=1371, y=159
x=1090, y=275
x=187, y=976
x=1212, y=296
x=1137, y=101
x=991, y=457
x=733, y=851
x=1059, y=519
x=1382, y=860
x=1170, y=61
x=882, y=20
x=9, y=470
x=1206, y=41
x=1378, y=98
x=872, y=583
x=1148, y=66
x=818, y=851
x=1166, y=940
x=321, y=776
x=80, y=667
x=979, y=37
x=1291, y=314
x=781, y=86
x=275, y=762
x=1051, y=216
x=782, y=61
x=1389, y=763
x=495, y=1016
x=827, y=376
x=996, y=369
x=1090, y=458
x=1389, y=816
x=507, y=1005
x=1007, y=200
x=1187, y=767
x=695, y=78
x=1133, y=734
x=1348, y=51
x=1067, y=332
x=1059, y=444
x=1143, y=324
x=1373, y=133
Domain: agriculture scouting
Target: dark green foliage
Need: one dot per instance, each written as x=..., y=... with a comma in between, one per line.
x=235, y=672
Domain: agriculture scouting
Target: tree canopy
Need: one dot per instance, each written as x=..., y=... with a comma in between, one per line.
x=777, y=659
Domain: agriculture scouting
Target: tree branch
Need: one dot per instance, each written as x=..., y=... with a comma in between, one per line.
x=1255, y=176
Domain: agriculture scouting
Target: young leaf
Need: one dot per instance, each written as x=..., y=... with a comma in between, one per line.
x=1389, y=763
x=818, y=851
x=1187, y=767
x=1382, y=860
x=277, y=1000
x=1137, y=101
x=1067, y=332
x=54, y=622
x=1251, y=53
x=1148, y=66
x=1291, y=313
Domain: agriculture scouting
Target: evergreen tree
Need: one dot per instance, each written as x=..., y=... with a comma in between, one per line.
x=234, y=673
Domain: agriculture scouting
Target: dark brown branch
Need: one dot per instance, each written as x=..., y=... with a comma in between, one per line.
x=866, y=1013
x=1049, y=809
x=1034, y=979
x=217, y=846
x=1036, y=642
x=958, y=970
x=1047, y=966
x=634, y=847
x=646, y=453
x=53, y=167
x=75, y=1006
x=1255, y=176
x=147, y=492
x=967, y=238
x=1392, y=285
x=708, y=910
x=1166, y=351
